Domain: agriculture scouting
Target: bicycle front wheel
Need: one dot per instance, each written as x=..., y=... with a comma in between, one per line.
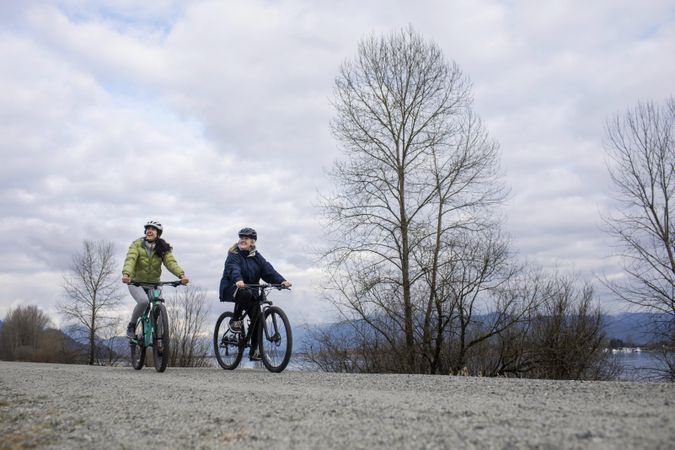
x=228, y=346
x=137, y=347
x=276, y=343
x=160, y=338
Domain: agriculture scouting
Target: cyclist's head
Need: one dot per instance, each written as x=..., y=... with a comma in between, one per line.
x=249, y=233
x=156, y=225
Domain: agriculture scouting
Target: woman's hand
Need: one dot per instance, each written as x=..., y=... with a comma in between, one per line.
x=126, y=279
x=184, y=279
x=286, y=284
x=240, y=284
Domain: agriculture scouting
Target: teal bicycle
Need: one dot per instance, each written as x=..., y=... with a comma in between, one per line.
x=152, y=328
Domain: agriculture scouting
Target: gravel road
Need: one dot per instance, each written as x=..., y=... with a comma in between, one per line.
x=64, y=406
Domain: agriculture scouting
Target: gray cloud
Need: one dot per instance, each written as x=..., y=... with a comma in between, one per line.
x=210, y=116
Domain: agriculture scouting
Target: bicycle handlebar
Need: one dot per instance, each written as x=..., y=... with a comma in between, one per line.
x=153, y=285
x=267, y=286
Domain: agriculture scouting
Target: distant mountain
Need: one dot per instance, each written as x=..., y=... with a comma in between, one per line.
x=306, y=336
x=78, y=334
x=72, y=344
x=118, y=344
x=302, y=337
x=633, y=328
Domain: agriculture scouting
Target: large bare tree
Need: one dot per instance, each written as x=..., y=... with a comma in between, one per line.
x=641, y=149
x=417, y=184
x=91, y=291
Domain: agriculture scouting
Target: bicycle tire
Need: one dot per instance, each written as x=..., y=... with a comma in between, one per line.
x=161, y=342
x=227, y=345
x=276, y=341
x=138, y=348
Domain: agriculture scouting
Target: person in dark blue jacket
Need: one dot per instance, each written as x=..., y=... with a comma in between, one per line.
x=245, y=265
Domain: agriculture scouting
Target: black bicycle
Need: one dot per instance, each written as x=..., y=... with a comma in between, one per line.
x=152, y=328
x=275, y=339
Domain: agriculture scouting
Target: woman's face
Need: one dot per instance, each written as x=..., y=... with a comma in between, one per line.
x=245, y=243
x=150, y=233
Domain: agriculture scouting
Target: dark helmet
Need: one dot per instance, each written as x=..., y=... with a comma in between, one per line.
x=249, y=233
x=156, y=225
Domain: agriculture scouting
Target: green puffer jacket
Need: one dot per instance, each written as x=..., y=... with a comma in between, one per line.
x=148, y=269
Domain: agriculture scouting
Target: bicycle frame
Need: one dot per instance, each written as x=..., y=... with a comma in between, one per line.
x=262, y=304
x=154, y=296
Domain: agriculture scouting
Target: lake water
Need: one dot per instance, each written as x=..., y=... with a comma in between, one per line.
x=639, y=366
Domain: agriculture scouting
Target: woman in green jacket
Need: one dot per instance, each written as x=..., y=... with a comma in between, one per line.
x=144, y=264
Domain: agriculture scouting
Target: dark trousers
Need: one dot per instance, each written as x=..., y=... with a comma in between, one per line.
x=245, y=300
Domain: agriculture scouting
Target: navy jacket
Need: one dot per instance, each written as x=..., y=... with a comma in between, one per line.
x=248, y=267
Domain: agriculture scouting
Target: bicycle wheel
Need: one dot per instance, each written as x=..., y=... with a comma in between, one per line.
x=227, y=345
x=137, y=348
x=160, y=338
x=276, y=342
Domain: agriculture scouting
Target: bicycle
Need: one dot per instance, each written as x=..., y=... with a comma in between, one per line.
x=152, y=328
x=275, y=339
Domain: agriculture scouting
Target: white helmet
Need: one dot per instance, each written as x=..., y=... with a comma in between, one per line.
x=156, y=225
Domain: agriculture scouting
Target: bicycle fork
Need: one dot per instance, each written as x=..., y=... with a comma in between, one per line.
x=274, y=338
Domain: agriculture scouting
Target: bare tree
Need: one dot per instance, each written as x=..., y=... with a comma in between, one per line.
x=420, y=177
x=641, y=149
x=190, y=344
x=91, y=291
x=475, y=298
x=561, y=337
x=22, y=333
x=566, y=338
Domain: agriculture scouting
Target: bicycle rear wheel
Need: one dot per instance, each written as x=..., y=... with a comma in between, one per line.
x=276, y=342
x=227, y=345
x=137, y=347
x=160, y=338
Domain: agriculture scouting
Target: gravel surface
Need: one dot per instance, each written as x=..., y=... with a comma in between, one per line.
x=65, y=406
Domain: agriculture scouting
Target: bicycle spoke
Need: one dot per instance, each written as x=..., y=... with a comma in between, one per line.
x=227, y=344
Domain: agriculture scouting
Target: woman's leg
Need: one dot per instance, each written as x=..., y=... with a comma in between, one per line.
x=253, y=312
x=246, y=301
x=141, y=297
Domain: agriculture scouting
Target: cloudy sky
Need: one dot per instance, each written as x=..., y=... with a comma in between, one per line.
x=212, y=115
